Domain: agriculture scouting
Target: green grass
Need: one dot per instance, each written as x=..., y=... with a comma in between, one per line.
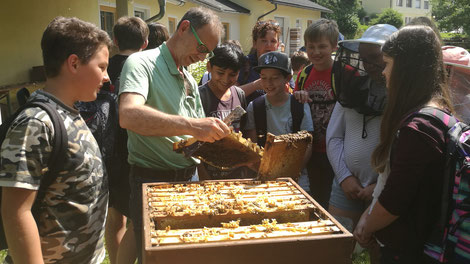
x=106, y=259
x=362, y=258
x=3, y=255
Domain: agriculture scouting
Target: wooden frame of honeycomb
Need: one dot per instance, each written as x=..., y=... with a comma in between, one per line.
x=190, y=221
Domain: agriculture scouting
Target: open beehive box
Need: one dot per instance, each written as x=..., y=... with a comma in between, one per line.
x=239, y=221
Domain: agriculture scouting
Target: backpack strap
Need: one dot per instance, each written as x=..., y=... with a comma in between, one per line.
x=303, y=76
x=297, y=111
x=58, y=154
x=259, y=111
x=243, y=103
x=205, y=98
x=56, y=159
x=60, y=141
x=447, y=122
x=241, y=97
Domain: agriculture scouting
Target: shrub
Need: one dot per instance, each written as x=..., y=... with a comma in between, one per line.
x=197, y=70
x=361, y=30
x=389, y=16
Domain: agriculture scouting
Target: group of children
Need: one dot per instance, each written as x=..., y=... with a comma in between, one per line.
x=351, y=146
x=354, y=148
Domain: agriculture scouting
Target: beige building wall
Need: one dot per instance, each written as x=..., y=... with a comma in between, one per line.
x=258, y=8
x=375, y=6
x=416, y=9
x=22, y=24
x=413, y=11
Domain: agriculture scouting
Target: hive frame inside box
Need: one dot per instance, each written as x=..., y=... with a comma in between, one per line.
x=331, y=249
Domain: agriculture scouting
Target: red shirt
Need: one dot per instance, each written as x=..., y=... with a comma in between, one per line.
x=318, y=85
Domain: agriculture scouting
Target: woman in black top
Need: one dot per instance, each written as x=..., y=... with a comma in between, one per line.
x=411, y=148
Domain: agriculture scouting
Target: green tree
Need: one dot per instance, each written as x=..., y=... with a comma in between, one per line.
x=389, y=16
x=344, y=13
x=452, y=15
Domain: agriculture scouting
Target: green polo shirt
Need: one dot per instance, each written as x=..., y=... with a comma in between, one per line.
x=153, y=74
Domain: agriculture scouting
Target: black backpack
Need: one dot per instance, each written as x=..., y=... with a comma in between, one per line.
x=259, y=112
x=101, y=117
x=56, y=159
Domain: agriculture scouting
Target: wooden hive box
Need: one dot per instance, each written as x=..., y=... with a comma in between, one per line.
x=304, y=230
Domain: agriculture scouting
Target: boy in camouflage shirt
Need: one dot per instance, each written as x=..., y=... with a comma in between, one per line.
x=70, y=227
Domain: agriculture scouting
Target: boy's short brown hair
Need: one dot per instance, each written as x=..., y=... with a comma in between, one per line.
x=322, y=28
x=65, y=36
x=299, y=59
x=130, y=33
x=262, y=27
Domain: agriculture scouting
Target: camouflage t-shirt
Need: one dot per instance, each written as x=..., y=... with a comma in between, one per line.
x=71, y=226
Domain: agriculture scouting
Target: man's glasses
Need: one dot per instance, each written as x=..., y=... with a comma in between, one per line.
x=201, y=47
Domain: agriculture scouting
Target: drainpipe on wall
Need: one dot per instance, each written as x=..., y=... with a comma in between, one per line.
x=177, y=2
x=160, y=14
x=275, y=8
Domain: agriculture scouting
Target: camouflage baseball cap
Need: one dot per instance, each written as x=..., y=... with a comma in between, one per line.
x=274, y=60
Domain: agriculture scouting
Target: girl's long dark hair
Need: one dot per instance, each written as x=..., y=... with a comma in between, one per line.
x=418, y=77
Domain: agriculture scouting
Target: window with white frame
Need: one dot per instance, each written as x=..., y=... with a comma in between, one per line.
x=407, y=20
x=418, y=3
x=426, y=4
x=141, y=11
x=139, y=14
x=298, y=23
x=399, y=2
x=408, y=3
x=107, y=18
x=226, y=35
x=171, y=25
x=280, y=20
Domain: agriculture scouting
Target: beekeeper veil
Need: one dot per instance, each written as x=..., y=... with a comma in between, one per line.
x=357, y=71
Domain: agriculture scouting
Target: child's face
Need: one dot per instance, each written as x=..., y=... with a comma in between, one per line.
x=270, y=42
x=319, y=52
x=93, y=74
x=273, y=81
x=222, y=79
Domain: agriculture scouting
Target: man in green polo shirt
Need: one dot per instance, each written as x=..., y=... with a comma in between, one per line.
x=160, y=105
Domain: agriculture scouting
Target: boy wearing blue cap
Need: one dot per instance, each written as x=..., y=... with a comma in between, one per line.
x=282, y=113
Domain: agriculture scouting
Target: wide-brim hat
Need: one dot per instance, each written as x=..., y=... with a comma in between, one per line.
x=274, y=60
x=376, y=34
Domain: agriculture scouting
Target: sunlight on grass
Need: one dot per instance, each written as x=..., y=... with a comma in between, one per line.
x=361, y=258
